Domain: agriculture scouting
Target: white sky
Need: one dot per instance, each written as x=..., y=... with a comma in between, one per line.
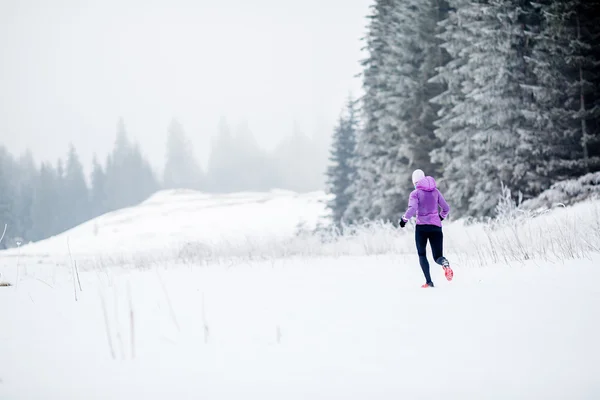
x=69, y=69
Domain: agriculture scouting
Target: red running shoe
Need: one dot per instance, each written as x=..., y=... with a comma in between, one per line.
x=448, y=272
x=427, y=285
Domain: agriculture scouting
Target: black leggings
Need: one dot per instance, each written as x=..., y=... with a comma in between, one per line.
x=434, y=234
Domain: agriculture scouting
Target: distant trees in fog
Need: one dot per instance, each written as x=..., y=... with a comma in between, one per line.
x=238, y=163
x=181, y=168
x=341, y=172
x=38, y=201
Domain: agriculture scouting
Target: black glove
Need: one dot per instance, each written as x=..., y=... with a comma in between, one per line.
x=441, y=218
x=402, y=223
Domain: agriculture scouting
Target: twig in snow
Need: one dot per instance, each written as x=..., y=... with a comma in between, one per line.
x=118, y=324
x=168, y=301
x=204, y=323
x=72, y=270
x=45, y=283
x=106, y=325
x=131, y=321
x=18, y=263
x=3, y=233
x=278, y=334
x=77, y=272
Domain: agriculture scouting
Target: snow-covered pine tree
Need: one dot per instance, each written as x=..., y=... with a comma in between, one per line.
x=341, y=171
x=481, y=112
x=429, y=55
x=565, y=109
x=584, y=60
x=372, y=151
x=395, y=118
x=456, y=152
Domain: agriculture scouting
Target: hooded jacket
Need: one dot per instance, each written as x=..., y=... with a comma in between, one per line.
x=425, y=202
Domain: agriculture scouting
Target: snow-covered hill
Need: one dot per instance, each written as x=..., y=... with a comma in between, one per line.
x=168, y=220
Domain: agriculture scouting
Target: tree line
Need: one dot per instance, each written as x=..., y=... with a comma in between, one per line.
x=39, y=201
x=475, y=93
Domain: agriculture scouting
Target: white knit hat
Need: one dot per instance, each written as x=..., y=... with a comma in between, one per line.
x=417, y=175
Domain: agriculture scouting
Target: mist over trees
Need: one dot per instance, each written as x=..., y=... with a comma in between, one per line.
x=237, y=163
x=38, y=201
x=477, y=94
x=181, y=168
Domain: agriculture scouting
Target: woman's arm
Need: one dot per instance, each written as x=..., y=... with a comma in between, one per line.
x=445, y=207
x=413, y=203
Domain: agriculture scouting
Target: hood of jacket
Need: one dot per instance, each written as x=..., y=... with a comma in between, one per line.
x=427, y=184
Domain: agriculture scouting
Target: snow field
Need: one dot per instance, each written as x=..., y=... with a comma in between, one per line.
x=258, y=311
x=355, y=327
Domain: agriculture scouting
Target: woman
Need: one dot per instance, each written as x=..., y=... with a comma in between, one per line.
x=424, y=202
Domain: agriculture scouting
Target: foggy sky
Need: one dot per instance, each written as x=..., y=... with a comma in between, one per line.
x=70, y=68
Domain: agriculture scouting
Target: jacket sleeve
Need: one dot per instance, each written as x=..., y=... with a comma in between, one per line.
x=445, y=207
x=413, y=204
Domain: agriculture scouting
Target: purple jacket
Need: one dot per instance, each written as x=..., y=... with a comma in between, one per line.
x=424, y=202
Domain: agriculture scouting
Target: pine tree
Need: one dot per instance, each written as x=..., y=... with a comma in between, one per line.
x=383, y=152
x=482, y=108
x=7, y=195
x=181, y=168
x=76, y=194
x=129, y=177
x=254, y=167
x=117, y=176
x=46, y=207
x=25, y=194
x=98, y=195
x=122, y=147
x=221, y=164
x=342, y=172
x=60, y=204
x=429, y=55
x=564, y=112
x=398, y=135
x=293, y=172
x=456, y=154
x=143, y=181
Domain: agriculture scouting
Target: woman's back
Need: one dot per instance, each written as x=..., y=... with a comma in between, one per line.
x=425, y=202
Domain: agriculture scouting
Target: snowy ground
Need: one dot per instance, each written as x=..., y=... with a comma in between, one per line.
x=311, y=327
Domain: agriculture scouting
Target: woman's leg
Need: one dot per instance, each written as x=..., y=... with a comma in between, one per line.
x=421, y=242
x=436, y=239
